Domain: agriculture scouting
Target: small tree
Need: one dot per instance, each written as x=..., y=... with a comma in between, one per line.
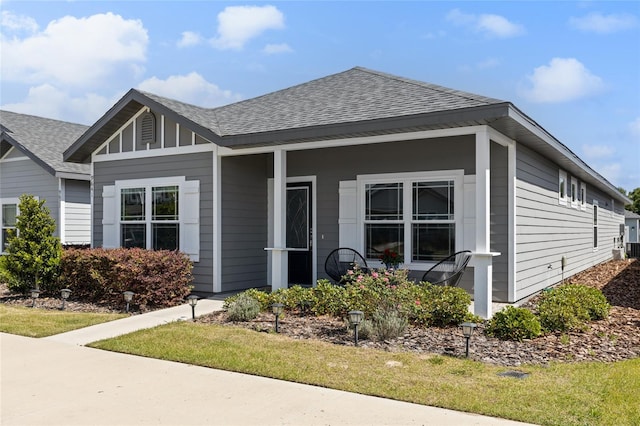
x=33, y=253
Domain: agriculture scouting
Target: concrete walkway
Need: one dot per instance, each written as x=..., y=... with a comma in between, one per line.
x=54, y=381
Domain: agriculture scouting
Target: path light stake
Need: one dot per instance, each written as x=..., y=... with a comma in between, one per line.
x=65, y=292
x=355, y=318
x=128, y=296
x=277, y=310
x=467, y=331
x=193, y=301
x=35, y=293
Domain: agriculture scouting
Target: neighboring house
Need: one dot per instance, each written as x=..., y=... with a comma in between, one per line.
x=260, y=191
x=31, y=163
x=632, y=227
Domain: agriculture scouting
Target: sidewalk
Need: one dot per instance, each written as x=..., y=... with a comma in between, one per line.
x=57, y=381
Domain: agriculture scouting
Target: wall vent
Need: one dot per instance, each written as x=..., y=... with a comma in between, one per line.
x=148, y=128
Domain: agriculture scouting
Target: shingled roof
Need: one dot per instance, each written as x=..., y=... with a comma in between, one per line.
x=355, y=95
x=43, y=140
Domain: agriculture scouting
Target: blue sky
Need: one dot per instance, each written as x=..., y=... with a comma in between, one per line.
x=573, y=67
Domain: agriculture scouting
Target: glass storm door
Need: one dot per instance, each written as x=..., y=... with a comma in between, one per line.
x=299, y=233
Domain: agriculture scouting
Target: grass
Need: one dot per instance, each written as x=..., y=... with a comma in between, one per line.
x=44, y=322
x=560, y=394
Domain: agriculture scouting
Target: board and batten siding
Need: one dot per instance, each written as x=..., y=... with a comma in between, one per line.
x=77, y=215
x=25, y=176
x=244, y=221
x=194, y=167
x=547, y=231
x=499, y=221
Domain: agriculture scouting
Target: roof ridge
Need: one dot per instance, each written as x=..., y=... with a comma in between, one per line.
x=439, y=88
x=38, y=117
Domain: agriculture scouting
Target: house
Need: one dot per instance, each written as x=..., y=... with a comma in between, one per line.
x=632, y=233
x=260, y=191
x=31, y=163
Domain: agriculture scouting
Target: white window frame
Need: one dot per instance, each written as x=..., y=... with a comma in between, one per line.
x=562, y=187
x=596, y=208
x=188, y=216
x=7, y=202
x=407, y=179
x=574, y=192
x=583, y=196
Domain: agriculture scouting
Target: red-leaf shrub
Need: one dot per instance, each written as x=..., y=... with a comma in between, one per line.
x=158, y=278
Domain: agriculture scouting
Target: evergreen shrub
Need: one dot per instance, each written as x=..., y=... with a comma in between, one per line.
x=513, y=323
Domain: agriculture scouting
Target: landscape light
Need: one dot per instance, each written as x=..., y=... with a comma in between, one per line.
x=277, y=310
x=355, y=318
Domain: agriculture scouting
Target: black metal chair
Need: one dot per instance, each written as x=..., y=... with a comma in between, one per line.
x=449, y=270
x=341, y=260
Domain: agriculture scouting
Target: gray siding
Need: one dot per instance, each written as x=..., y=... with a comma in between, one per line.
x=27, y=177
x=193, y=167
x=333, y=165
x=77, y=212
x=244, y=221
x=546, y=230
x=499, y=221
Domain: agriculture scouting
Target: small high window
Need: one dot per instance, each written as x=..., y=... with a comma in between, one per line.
x=562, y=187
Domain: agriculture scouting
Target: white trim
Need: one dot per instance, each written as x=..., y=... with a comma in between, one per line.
x=161, y=131
x=457, y=176
x=562, y=179
x=92, y=208
x=595, y=224
x=119, y=132
x=499, y=138
x=483, y=268
x=364, y=140
x=511, y=225
x=62, y=213
x=14, y=159
x=8, y=201
x=279, y=269
x=573, y=193
x=217, y=221
x=583, y=196
x=73, y=176
x=314, y=222
x=188, y=149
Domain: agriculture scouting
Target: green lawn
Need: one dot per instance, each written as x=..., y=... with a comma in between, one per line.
x=44, y=322
x=561, y=394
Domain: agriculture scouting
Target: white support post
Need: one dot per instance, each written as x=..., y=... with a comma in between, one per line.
x=482, y=287
x=217, y=221
x=279, y=257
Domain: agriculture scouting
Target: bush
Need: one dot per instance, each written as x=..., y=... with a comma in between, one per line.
x=243, y=308
x=438, y=305
x=329, y=299
x=263, y=298
x=571, y=306
x=33, y=255
x=158, y=278
x=514, y=324
x=388, y=324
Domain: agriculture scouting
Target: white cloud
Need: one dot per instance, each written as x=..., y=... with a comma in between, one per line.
x=598, y=151
x=238, y=24
x=611, y=171
x=77, y=52
x=563, y=80
x=189, y=38
x=488, y=63
x=48, y=101
x=15, y=23
x=604, y=24
x=488, y=24
x=191, y=88
x=272, y=49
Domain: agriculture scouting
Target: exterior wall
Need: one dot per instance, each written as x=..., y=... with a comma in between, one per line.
x=26, y=177
x=77, y=215
x=194, y=167
x=499, y=220
x=244, y=221
x=333, y=165
x=546, y=230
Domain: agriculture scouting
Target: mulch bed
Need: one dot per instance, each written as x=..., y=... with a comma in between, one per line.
x=613, y=339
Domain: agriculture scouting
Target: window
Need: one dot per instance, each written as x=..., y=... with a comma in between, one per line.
x=582, y=196
x=155, y=214
x=149, y=217
x=562, y=187
x=595, y=224
x=414, y=216
x=574, y=192
x=9, y=213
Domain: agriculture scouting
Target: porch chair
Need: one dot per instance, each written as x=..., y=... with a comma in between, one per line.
x=341, y=260
x=449, y=270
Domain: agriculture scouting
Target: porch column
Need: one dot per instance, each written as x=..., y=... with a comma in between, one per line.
x=482, y=287
x=279, y=258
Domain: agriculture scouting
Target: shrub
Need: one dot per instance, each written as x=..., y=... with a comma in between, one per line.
x=388, y=324
x=571, y=306
x=33, y=255
x=263, y=298
x=329, y=299
x=514, y=324
x=243, y=308
x=438, y=305
x=158, y=278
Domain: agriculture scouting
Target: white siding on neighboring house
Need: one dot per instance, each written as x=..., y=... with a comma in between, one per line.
x=77, y=212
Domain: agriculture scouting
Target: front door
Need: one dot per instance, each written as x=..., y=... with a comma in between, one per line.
x=299, y=232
